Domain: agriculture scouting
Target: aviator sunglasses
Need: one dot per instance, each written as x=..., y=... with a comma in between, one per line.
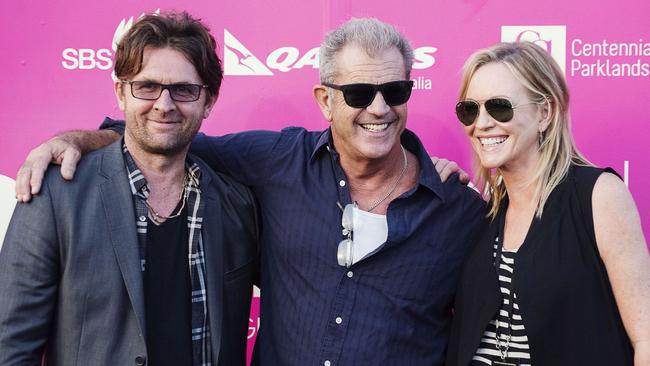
x=361, y=95
x=345, y=250
x=501, y=109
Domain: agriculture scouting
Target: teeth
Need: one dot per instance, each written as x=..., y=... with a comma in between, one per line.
x=492, y=140
x=375, y=127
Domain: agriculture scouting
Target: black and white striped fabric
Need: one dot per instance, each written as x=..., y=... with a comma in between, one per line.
x=510, y=322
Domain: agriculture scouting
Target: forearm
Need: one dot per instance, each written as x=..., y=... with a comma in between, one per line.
x=89, y=140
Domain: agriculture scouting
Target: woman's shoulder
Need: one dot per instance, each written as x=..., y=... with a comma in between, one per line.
x=586, y=176
x=589, y=172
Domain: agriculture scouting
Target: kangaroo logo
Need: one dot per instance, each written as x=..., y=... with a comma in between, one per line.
x=238, y=60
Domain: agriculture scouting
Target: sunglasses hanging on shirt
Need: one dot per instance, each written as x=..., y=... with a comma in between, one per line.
x=344, y=253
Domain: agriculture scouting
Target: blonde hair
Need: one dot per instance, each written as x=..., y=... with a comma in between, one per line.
x=541, y=76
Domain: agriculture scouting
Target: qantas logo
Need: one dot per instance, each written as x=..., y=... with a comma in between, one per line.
x=240, y=61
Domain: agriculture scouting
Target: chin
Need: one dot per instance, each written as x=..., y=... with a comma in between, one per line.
x=376, y=151
x=490, y=163
x=169, y=148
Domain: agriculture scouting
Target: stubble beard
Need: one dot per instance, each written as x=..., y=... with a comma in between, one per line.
x=170, y=147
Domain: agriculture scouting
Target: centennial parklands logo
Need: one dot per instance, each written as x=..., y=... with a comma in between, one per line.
x=552, y=38
x=601, y=58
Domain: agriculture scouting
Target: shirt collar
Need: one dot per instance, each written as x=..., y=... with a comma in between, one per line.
x=323, y=143
x=428, y=178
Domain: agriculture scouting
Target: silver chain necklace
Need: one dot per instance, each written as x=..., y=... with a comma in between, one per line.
x=394, y=186
x=158, y=218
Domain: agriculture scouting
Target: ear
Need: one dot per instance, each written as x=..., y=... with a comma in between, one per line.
x=546, y=114
x=207, y=108
x=119, y=94
x=324, y=102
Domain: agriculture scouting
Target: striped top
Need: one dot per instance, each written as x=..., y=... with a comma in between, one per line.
x=517, y=349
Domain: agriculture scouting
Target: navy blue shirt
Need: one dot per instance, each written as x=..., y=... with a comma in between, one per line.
x=392, y=308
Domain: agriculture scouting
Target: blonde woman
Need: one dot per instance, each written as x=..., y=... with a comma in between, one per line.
x=561, y=275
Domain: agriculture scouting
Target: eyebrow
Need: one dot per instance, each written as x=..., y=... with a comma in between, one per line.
x=153, y=81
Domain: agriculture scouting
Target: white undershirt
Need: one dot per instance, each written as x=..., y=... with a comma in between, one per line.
x=370, y=232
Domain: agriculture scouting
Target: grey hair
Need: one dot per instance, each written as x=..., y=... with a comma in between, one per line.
x=371, y=34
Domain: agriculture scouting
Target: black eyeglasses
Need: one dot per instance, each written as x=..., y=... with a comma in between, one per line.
x=361, y=95
x=501, y=109
x=148, y=90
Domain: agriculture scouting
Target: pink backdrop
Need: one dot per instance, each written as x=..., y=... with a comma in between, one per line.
x=56, y=68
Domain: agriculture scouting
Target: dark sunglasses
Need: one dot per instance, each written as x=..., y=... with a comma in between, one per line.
x=501, y=109
x=147, y=90
x=361, y=95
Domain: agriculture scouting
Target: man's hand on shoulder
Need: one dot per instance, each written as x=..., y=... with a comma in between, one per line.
x=30, y=175
x=65, y=150
x=446, y=168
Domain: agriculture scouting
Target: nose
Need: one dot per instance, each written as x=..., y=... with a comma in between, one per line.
x=378, y=107
x=164, y=103
x=484, y=121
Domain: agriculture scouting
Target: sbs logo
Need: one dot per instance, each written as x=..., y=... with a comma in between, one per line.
x=89, y=58
x=552, y=38
x=238, y=60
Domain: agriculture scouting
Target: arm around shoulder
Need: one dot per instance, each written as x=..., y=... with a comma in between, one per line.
x=64, y=149
x=245, y=156
x=624, y=251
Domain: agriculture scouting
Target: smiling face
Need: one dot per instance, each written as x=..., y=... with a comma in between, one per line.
x=511, y=145
x=372, y=132
x=162, y=126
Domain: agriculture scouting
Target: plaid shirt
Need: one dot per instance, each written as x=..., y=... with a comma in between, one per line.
x=201, y=348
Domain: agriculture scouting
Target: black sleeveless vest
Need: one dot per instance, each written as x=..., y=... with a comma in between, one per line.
x=562, y=287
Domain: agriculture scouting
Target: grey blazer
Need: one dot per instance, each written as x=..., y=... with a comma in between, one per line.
x=70, y=281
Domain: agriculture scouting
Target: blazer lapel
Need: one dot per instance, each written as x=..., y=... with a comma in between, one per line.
x=212, y=230
x=118, y=207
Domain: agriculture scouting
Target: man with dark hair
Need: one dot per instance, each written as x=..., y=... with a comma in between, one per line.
x=362, y=240
x=149, y=256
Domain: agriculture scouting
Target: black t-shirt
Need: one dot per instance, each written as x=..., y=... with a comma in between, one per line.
x=167, y=290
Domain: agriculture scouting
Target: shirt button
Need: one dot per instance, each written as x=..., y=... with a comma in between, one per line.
x=342, y=183
x=339, y=320
x=140, y=361
x=327, y=363
x=350, y=274
x=142, y=218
